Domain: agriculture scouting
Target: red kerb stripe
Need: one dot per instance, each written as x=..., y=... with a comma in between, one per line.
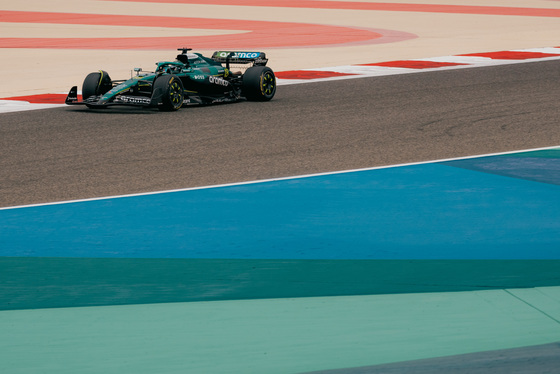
x=512, y=55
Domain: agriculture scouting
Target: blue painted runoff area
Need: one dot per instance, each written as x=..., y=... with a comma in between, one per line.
x=446, y=210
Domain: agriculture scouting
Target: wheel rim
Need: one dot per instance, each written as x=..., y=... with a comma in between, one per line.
x=175, y=94
x=268, y=84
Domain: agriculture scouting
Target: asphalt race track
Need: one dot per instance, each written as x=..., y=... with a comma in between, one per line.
x=75, y=153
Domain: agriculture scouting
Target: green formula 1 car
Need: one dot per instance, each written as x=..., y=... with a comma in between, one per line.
x=190, y=79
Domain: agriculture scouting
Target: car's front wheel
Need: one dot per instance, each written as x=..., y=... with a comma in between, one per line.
x=259, y=83
x=95, y=84
x=169, y=92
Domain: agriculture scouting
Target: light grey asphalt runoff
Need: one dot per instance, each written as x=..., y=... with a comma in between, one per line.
x=540, y=359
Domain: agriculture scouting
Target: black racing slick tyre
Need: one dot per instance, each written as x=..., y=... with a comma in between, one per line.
x=259, y=83
x=168, y=91
x=96, y=84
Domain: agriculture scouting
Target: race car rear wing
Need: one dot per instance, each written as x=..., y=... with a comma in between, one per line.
x=227, y=57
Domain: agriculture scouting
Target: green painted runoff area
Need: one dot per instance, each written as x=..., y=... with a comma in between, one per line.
x=32, y=283
x=290, y=335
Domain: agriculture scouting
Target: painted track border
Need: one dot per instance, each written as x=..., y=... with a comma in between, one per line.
x=473, y=60
x=280, y=179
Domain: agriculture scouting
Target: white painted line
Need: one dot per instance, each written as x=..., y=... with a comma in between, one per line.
x=280, y=179
x=471, y=61
x=541, y=50
x=8, y=106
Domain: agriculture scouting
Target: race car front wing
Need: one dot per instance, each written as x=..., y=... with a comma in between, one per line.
x=95, y=101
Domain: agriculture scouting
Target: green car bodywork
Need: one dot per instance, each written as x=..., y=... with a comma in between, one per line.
x=192, y=79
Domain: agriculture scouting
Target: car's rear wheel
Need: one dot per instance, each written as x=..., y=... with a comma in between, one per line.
x=96, y=84
x=259, y=83
x=171, y=90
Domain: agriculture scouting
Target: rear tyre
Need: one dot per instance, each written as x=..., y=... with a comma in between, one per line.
x=96, y=84
x=259, y=83
x=171, y=90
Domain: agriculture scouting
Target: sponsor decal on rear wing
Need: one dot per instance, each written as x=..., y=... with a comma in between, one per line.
x=238, y=57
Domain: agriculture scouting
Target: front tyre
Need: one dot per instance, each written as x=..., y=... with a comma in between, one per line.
x=259, y=83
x=95, y=84
x=169, y=92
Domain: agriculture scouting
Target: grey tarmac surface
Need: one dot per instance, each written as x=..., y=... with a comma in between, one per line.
x=541, y=359
x=75, y=153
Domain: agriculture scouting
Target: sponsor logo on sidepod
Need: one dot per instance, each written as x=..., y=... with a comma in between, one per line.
x=218, y=81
